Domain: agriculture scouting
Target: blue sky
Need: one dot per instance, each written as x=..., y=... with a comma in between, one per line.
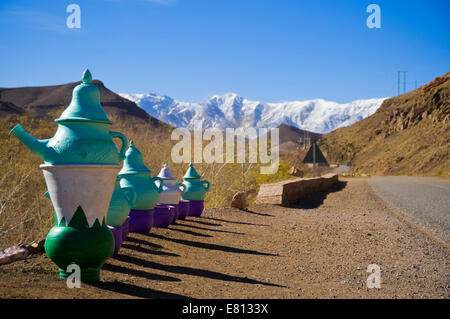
x=273, y=50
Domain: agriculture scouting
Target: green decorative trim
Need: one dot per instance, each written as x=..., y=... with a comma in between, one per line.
x=63, y=222
x=77, y=243
x=79, y=221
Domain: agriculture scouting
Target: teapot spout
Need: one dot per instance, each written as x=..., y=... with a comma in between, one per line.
x=36, y=146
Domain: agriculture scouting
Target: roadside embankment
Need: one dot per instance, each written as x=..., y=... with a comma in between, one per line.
x=290, y=192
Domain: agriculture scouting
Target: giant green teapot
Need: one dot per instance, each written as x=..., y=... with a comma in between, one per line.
x=195, y=188
x=134, y=174
x=83, y=135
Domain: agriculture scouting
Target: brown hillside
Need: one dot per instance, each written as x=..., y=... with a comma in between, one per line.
x=408, y=134
x=292, y=138
x=39, y=100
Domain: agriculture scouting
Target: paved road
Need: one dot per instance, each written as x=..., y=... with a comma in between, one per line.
x=341, y=169
x=425, y=200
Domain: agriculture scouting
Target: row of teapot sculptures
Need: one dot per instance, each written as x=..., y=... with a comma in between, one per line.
x=136, y=189
x=90, y=189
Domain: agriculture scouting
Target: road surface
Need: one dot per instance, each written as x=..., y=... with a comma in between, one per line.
x=319, y=249
x=341, y=169
x=425, y=200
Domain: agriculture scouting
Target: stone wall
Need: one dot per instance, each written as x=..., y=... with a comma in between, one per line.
x=292, y=191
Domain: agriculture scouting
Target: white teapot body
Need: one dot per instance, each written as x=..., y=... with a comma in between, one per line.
x=172, y=192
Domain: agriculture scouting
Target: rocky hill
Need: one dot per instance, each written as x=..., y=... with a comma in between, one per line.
x=292, y=138
x=408, y=134
x=37, y=101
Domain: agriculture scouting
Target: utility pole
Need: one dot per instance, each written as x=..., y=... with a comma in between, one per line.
x=243, y=177
x=314, y=159
x=404, y=81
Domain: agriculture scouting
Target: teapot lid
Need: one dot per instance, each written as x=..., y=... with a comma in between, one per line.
x=85, y=104
x=165, y=173
x=191, y=173
x=134, y=162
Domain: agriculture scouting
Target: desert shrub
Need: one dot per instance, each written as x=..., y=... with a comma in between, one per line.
x=26, y=215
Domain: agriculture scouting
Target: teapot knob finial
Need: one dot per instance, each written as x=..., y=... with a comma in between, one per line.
x=87, y=76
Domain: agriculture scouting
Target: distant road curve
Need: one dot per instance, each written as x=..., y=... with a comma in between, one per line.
x=341, y=169
x=425, y=200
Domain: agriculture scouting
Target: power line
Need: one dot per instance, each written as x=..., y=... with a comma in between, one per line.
x=404, y=81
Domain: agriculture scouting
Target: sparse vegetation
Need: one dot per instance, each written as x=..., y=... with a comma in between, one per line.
x=408, y=135
x=26, y=215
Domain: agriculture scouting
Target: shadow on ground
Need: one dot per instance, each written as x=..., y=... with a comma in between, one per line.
x=207, y=229
x=231, y=221
x=248, y=211
x=189, y=232
x=316, y=199
x=211, y=246
x=136, y=291
x=137, y=273
x=149, y=251
x=143, y=242
x=191, y=271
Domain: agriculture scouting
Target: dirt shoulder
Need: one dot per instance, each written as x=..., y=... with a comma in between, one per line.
x=319, y=249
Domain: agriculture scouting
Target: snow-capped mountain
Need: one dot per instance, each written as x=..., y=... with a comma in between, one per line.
x=231, y=110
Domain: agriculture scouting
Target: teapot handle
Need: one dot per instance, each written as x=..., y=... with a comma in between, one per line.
x=124, y=143
x=161, y=182
x=182, y=186
x=207, y=187
x=130, y=195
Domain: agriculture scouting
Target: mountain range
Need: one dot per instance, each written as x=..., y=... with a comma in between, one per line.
x=232, y=111
x=407, y=134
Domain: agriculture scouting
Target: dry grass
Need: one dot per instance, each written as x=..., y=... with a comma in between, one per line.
x=26, y=215
x=408, y=135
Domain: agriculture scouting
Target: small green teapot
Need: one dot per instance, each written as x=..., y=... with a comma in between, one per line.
x=195, y=188
x=136, y=175
x=83, y=135
x=123, y=199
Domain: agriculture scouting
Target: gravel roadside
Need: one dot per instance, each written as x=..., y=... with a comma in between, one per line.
x=319, y=249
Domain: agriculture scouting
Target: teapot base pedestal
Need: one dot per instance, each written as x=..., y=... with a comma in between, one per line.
x=118, y=237
x=87, y=275
x=176, y=214
x=141, y=221
x=164, y=215
x=86, y=247
x=183, y=209
x=126, y=228
x=196, y=208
